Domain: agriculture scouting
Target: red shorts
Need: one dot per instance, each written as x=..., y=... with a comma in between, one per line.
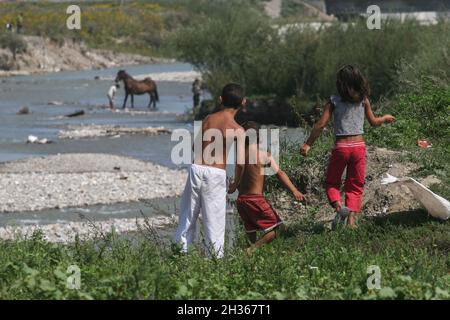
x=257, y=213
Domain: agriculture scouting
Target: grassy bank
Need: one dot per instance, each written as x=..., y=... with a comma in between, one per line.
x=310, y=263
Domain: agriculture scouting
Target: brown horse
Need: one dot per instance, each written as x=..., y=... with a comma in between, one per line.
x=133, y=86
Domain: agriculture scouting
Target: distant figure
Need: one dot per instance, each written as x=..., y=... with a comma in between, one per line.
x=111, y=95
x=196, y=90
x=9, y=26
x=19, y=23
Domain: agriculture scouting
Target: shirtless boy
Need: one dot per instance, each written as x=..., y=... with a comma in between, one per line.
x=206, y=183
x=256, y=213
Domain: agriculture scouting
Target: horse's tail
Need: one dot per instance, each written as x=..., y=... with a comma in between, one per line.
x=156, y=93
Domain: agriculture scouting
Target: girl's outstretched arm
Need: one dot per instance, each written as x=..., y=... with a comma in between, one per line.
x=373, y=120
x=317, y=129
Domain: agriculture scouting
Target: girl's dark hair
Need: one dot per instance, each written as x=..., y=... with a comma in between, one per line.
x=349, y=80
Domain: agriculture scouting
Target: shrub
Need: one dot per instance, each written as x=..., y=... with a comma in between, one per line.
x=424, y=115
x=233, y=46
x=13, y=42
x=241, y=45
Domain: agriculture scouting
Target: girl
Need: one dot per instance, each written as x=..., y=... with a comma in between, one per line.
x=348, y=109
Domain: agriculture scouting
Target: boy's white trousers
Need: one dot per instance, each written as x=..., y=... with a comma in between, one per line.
x=205, y=190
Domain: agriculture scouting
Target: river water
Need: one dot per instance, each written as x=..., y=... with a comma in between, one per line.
x=80, y=91
x=86, y=90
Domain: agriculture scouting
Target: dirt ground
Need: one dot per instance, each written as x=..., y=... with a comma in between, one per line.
x=379, y=200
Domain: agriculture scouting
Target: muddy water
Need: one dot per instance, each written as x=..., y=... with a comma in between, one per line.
x=86, y=90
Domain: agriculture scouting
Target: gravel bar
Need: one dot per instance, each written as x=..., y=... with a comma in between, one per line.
x=72, y=180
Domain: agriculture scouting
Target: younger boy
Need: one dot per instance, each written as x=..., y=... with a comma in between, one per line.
x=256, y=213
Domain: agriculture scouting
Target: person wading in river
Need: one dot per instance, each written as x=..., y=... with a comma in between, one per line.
x=111, y=95
x=196, y=90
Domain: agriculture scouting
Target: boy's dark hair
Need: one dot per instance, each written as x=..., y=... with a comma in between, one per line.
x=247, y=125
x=232, y=95
x=349, y=78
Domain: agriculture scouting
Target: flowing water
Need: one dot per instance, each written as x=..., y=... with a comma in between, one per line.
x=51, y=96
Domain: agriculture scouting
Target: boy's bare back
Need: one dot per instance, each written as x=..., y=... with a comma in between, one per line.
x=253, y=178
x=222, y=121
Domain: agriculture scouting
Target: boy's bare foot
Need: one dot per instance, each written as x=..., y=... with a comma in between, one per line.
x=248, y=251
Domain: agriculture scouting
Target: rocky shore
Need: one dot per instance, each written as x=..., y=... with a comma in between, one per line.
x=72, y=180
x=44, y=55
x=67, y=231
x=378, y=201
x=95, y=131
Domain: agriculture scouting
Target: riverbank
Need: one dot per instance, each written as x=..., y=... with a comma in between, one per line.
x=43, y=55
x=69, y=231
x=96, y=131
x=311, y=263
x=70, y=180
x=378, y=201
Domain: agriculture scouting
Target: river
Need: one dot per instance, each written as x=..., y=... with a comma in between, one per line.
x=86, y=90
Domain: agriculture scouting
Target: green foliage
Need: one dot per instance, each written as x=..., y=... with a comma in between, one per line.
x=305, y=172
x=13, y=42
x=430, y=66
x=424, y=115
x=227, y=46
x=137, y=26
x=241, y=45
x=376, y=52
x=309, y=265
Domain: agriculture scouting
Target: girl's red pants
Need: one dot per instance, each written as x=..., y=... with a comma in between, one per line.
x=350, y=155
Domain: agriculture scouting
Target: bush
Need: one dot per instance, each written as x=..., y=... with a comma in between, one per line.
x=232, y=46
x=5, y=62
x=241, y=45
x=13, y=42
x=430, y=66
x=424, y=115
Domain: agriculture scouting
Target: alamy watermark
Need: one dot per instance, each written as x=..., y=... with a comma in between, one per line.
x=374, y=279
x=74, y=277
x=73, y=22
x=212, y=146
x=374, y=18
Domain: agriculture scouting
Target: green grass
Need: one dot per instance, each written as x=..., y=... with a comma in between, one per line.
x=420, y=115
x=309, y=263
